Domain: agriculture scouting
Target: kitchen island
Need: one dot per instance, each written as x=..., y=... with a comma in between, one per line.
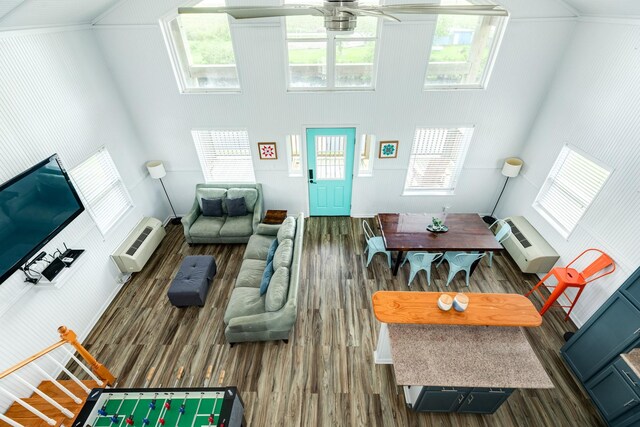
x=458, y=362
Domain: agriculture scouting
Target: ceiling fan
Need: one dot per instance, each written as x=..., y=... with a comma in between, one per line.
x=341, y=15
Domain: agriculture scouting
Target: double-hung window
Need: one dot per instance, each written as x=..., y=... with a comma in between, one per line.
x=326, y=60
x=573, y=183
x=463, y=51
x=103, y=192
x=436, y=160
x=225, y=155
x=202, y=51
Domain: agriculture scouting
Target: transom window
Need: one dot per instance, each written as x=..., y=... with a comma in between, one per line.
x=436, y=160
x=321, y=60
x=202, y=51
x=463, y=51
x=573, y=183
x=103, y=192
x=224, y=155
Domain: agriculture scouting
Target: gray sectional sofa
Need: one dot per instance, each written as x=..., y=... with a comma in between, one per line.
x=251, y=317
x=225, y=229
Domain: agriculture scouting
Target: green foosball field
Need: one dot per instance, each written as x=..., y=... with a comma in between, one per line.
x=162, y=407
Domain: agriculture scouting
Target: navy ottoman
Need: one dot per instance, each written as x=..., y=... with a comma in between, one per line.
x=191, y=284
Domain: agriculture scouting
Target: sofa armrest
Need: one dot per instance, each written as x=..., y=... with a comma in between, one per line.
x=257, y=212
x=280, y=320
x=190, y=218
x=268, y=229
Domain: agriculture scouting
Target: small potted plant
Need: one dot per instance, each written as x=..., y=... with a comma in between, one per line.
x=437, y=223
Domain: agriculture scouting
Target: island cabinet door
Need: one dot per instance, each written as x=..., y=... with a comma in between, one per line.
x=611, y=392
x=484, y=401
x=440, y=400
x=610, y=331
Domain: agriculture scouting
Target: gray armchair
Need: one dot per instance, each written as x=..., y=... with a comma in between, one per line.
x=224, y=229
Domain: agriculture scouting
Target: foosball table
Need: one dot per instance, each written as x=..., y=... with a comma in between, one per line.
x=162, y=407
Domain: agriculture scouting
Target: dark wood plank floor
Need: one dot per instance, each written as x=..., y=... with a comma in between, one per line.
x=325, y=375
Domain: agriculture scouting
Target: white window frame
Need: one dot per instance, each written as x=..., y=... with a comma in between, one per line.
x=330, y=39
x=550, y=181
x=458, y=170
x=484, y=81
x=116, y=185
x=202, y=157
x=289, y=149
x=365, y=172
x=176, y=62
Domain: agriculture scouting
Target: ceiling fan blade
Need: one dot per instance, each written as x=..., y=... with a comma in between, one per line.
x=376, y=13
x=255, y=12
x=423, y=9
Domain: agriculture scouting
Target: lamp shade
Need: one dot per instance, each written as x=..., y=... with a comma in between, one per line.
x=512, y=167
x=156, y=169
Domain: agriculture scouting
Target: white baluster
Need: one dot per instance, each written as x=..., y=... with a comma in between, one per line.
x=9, y=421
x=57, y=384
x=28, y=407
x=43, y=395
x=66, y=371
x=84, y=367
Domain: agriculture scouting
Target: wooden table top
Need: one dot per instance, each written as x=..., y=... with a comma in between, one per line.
x=408, y=232
x=483, y=309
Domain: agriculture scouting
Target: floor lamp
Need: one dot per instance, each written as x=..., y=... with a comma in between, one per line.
x=157, y=171
x=510, y=169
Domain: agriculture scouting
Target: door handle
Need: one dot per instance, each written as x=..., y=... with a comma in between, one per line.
x=311, y=181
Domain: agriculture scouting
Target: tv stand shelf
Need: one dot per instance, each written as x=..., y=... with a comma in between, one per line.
x=63, y=276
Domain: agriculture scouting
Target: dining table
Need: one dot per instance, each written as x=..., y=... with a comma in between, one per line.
x=403, y=232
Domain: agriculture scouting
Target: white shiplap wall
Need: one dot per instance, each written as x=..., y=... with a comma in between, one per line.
x=594, y=105
x=56, y=95
x=502, y=114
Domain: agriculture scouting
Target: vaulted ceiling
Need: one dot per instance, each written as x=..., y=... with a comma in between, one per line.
x=44, y=13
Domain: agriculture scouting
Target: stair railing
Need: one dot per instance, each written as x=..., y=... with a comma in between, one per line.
x=98, y=372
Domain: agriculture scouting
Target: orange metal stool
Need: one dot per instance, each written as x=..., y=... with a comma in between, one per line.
x=571, y=278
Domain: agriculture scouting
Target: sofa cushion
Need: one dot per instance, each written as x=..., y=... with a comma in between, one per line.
x=277, y=290
x=250, y=274
x=237, y=226
x=211, y=207
x=250, y=196
x=211, y=193
x=236, y=207
x=266, y=278
x=272, y=250
x=258, y=246
x=287, y=229
x=284, y=254
x=244, y=302
x=207, y=226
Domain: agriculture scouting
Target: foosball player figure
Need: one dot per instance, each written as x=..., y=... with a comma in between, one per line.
x=129, y=420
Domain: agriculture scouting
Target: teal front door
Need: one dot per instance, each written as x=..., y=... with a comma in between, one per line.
x=330, y=170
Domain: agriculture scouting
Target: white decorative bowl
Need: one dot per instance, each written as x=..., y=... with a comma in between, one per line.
x=444, y=302
x=460, y=302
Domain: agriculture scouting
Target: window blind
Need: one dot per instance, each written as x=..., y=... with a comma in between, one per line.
x=437, y=155
x=572, y=184
x=224, y=155
x=103, y=192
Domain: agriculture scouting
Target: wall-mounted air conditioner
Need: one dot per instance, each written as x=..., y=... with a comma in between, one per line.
x=139, y=245
x=528, y=248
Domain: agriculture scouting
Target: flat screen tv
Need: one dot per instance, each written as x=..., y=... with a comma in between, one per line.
x=34, y=207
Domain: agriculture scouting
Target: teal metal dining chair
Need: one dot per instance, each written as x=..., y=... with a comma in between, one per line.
x=375, y=244
x=502, y=233
x=420, y=261
x=459, y=261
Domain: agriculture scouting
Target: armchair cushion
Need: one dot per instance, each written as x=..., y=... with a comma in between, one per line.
x=236, y=207
x=206, y=226
x=258, y=247
x=251, y=272
x=244, y=302
x=250, y=196
x=211, y=207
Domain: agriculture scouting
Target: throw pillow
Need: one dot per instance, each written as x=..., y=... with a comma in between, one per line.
x=278, y=290
x=272, y=250
x=211, y=207
x=236, y=207
x=266, y=278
